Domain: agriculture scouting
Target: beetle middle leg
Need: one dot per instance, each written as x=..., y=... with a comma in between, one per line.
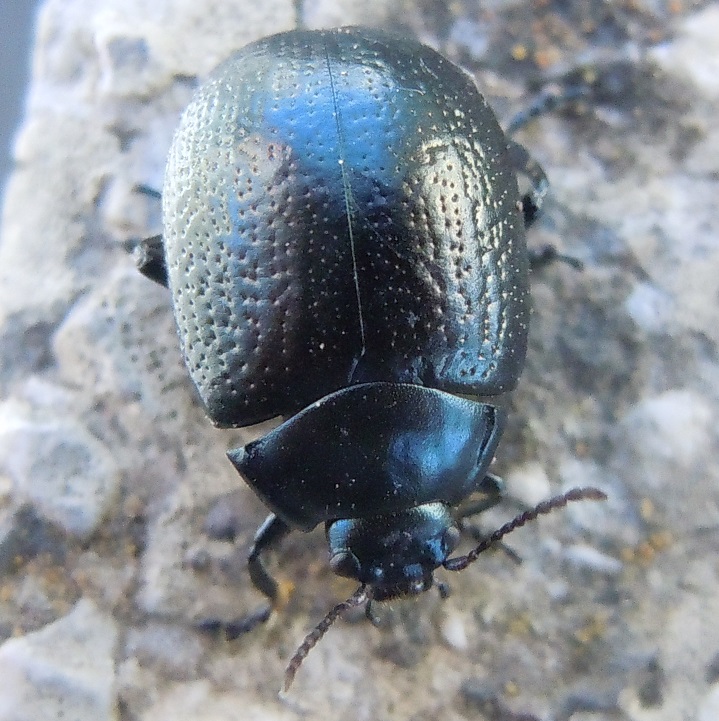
x=149, y=253
x=551, y=98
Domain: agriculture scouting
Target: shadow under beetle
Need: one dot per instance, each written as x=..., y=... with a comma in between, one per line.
x=344, y=240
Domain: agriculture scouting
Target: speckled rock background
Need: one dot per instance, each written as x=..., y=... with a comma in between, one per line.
x=110, y=476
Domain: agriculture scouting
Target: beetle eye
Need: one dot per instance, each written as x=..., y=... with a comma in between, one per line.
x=345, y=564
x=450, y=539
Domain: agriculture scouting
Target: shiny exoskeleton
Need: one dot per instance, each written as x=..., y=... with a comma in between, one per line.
x=344, y=240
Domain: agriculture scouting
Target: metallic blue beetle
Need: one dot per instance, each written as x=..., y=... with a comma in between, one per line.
x=344, y=240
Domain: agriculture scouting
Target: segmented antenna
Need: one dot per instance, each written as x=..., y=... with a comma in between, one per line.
x=552, y=504
x=364, y=593
x=315, y=635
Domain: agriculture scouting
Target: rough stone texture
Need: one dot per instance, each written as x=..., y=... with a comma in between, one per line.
x=66, y=670
x=62, y=470
x=116, y=500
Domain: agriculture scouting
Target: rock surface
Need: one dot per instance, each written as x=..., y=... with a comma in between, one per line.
x=64, y=670
x=123, y=526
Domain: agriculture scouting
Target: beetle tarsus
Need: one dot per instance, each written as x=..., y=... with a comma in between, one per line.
x=268, y=535
x=147, y=190
x=239, y=627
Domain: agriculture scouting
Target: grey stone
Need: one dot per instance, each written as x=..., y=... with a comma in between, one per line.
x=174, y=651
x=454, y=632
x=65, y=670
x=591, y=559
x=65, y=473
x=687, y=643
x=331, y=13
x=120, y=341
x=690, y=54
x=709, y=708
x=108, y=461
x=24, y=535
x=528, y=483
x=199, y=699
x=661, y=445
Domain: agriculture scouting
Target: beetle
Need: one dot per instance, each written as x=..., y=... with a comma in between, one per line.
x=344, y=242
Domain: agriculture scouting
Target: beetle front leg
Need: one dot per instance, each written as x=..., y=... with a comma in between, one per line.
x=492, y=489
x=268, y=535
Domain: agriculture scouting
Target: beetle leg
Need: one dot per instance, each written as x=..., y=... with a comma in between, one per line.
x=149, y=253
x=492, y=485
x=548, y=254
x=235, y=629
x=371, y=616
x=268, y=535
x=148, y=190
x=532, y=202
x=608, y=81
x=492, y=489
x=525, y=164
x=149, y=257
x=553, y=97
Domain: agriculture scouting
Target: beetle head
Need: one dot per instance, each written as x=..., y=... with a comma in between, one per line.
x=395, y=554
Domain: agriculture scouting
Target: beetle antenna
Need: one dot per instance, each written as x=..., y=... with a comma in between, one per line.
x=575, y=494
x=315, y=635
